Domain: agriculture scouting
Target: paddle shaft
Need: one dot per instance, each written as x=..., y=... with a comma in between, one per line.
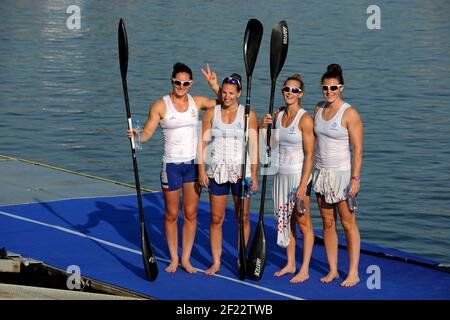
x=252, y=41
x=242, y=251
x=133, y=152
x=268, y=152
x=151, y=268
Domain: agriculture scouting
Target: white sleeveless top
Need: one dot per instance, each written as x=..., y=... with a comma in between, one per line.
x=333, y=143
x=179, y=132
x=226, y=147
x=290, y=144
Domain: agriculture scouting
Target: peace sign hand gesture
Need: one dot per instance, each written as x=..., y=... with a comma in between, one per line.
x=210, y=76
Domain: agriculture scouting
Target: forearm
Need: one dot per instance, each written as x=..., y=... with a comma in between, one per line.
x=146, y=135
x=357, y=161
x=216, y=89
x=202, y=156
x=307, y=169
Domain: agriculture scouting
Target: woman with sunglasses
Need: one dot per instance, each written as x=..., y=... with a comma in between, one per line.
x=177, y=114
x=292, y=183
x=221, y=147
x=337, y=125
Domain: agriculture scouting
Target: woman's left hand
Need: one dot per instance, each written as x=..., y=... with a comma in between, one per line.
x=354, y=188
x=254, y=187
x=301, y=192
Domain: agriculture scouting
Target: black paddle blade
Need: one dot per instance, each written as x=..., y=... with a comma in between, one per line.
x=279, y=42
x=151, y=267
x=123, y=49
x=252, y=42
x=257, y=255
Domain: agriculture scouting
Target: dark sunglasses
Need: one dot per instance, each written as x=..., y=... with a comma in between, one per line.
x=292, y=89
x=232, y=81
x=331, y=88
x=181, y=83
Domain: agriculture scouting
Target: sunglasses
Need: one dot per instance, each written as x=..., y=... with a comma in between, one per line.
x=331, y=88
x=292, y=89
x=232, y=81
x=181, y=83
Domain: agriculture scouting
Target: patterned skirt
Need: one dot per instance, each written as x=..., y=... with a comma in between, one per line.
x=332, y=183
x=283, y=204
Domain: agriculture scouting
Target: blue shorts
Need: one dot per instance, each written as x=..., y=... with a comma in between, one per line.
x=173, y=175
x=308, y=189
x=223, y=189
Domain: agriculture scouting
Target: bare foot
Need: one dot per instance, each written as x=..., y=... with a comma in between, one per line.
x=285, y=270
x=188, y=267
x=352, y=280
x=213, y=269
x=330, y=277
x=301, y=276
x=173, y=266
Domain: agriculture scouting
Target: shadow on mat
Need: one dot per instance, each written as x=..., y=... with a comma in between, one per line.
x=124, y=218
x=94, y=221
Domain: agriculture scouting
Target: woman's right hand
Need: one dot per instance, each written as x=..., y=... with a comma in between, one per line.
x=203, y=179
x=265, y=121
x=131, y=133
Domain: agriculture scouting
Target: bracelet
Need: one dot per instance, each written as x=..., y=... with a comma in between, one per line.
x=356, y=178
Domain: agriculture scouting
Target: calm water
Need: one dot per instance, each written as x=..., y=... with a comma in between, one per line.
x=61, y=97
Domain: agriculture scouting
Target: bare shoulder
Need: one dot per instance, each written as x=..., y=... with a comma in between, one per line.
x=158, y=104
x=158, y=107
x=351, y=114
x=318, y=106
x=199, y=100
x=209, y=113
x=306, y=121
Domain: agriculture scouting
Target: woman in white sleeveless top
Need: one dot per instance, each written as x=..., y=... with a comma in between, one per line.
x=221, y=148
x=294, y=138
x=337, y=125
x=177, y=114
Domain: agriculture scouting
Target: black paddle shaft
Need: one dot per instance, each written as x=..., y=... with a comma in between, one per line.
x=150, y=265
x=279, y=43
x=252, y=42
x=278, y=51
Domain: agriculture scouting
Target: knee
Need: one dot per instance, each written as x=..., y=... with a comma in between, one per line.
x=171, y=216
x=246, y=220
x=216, y=220
x=305, y=226
x=348, y=226
x=328, y=224
x=190, y=214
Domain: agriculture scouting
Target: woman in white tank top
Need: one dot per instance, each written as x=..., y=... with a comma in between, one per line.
x=177, y=114
x=294, y=138
x=336, y=177
x=221, y=148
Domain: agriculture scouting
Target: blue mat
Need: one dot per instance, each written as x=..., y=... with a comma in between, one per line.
x=101, y=236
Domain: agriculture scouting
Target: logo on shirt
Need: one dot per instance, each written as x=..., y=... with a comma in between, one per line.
x=291, y=131
x=192, y=113
x=334, y=126
x=172, y=118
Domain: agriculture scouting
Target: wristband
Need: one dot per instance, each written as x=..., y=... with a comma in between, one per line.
x=356, y=178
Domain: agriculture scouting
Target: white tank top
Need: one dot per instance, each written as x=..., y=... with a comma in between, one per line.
x=332, y=144
x=290, y=144
x=179, y=132
x=225, y=149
